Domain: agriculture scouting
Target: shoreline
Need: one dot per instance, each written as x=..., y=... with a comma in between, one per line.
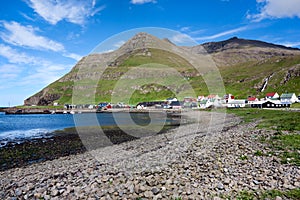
x=28, y=111
x=57, y=144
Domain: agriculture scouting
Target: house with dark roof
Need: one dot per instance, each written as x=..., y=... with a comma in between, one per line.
x=270, y=104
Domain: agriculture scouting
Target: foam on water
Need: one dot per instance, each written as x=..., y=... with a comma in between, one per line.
x=19, y=136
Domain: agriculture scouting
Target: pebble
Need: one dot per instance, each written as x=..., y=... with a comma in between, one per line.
x=148, y=194
x=155, y=190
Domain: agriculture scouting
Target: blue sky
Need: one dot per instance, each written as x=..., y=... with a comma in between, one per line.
x=40, y=41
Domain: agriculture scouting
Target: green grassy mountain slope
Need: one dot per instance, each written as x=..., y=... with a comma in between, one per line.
x=243, y=64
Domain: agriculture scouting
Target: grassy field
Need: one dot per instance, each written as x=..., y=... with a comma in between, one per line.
x=270, y=194
x=246, y=78
x=285, y=143
x=295, y=105
x=286, y=140
x=41, y=107
x=272, y=119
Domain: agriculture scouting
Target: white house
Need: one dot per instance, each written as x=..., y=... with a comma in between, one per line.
x=252, y=100
x=170, y=100
x=205, y=104
x=272, y=95
x=289, y=98
x=236, y=104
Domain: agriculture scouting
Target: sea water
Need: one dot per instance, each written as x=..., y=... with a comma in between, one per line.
x=17, y=128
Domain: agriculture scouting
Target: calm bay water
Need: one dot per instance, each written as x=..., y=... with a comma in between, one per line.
x=20, y=127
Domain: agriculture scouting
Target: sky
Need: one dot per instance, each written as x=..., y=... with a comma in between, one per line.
x=41, y=40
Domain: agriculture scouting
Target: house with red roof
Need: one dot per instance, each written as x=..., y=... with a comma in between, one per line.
x=272, y=95
x=252, y=100
x=213, y=97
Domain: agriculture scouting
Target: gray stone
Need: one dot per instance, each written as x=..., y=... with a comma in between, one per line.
x=217, y=198
x=18, y=192
x=155, y=190
x=158, y=196
x=226, y=181
x=220, y=186
x=54, y=192
x=148, y=194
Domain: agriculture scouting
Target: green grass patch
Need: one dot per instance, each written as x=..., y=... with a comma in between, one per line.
x=245, y=195
x=274, y=119
x=293, y=194
x=258, y=153
x=288, y=146
x=40, y=107
x=244, y=157
x=295, y=105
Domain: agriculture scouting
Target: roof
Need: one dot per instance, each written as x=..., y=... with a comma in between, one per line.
x=252, y=98
x=270, y=94
x=203, y=101
x=211, y=96
x=287, y=95
x=237, y=102
x=274, y=102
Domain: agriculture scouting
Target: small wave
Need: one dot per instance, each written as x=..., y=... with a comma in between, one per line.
x=18, y=136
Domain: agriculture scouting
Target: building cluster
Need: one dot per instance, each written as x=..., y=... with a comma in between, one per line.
x=271, y=100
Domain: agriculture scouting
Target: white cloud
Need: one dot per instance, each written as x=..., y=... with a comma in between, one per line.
x=41, y=78
x=38, y=66
x=26, y=36
x=276, y=9
x=185, y=29
x=73, y=56
x=229, y=32
x=119, y=44
x=142, y=1
x=181, y=39
x=16, y=57
x=72, y=11
x=9, y=71
x=291, y=44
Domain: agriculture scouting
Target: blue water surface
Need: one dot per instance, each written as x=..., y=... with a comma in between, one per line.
x=20, y=127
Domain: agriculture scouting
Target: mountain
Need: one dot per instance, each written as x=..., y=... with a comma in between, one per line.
x=237, y=43
x=244, y=65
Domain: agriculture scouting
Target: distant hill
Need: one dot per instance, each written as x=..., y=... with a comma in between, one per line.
x=237, y=43
x=243, y=64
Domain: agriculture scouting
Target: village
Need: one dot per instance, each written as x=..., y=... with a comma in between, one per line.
x=213, y=101
x=271, y=100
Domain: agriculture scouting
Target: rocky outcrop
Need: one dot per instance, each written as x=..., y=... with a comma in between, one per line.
x=42, y=98
x=292, y=72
